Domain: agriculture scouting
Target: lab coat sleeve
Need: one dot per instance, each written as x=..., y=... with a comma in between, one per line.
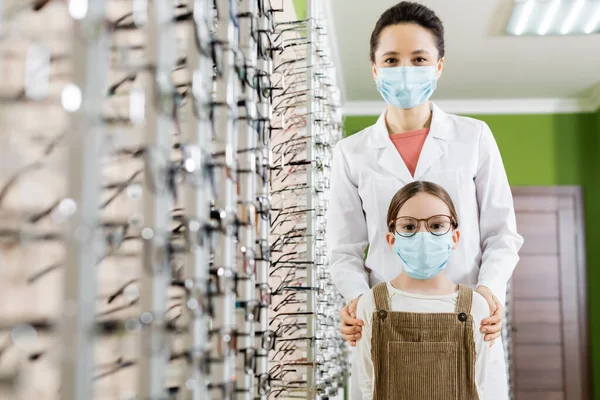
x=346, y=231
x=500, y=242
x=366, y=370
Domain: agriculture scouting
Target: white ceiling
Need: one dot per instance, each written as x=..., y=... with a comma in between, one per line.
x=481, y=63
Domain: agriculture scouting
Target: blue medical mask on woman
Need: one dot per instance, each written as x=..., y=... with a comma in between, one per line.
x=424, y=255
x=406, y=87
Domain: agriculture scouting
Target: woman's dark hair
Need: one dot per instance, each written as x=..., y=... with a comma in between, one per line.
x=407, y=12
x=411, y=190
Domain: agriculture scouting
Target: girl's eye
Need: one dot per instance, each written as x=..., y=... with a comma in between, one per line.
x=408, y=227
x=420, y=60
x=390, y=61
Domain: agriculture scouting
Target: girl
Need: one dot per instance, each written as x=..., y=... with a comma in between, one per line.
x=414, y=140
x=420, y=338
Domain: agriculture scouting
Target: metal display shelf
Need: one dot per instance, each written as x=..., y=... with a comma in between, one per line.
x=162, y=201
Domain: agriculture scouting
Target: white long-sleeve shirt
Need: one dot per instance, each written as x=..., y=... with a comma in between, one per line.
x=417, y=303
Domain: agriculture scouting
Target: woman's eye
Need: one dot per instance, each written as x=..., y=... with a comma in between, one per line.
x=408, y=227
x=420, y=60
x=390, y=61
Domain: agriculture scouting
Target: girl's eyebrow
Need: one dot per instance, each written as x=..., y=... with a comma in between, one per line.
x=432, y=215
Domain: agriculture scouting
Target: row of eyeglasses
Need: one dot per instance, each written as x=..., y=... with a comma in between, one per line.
x=163, y=190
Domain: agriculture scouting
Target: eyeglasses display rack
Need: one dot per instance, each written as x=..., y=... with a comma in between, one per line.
x=164, y=178
x=308, y=359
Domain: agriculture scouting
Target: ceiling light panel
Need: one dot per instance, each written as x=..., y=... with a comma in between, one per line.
x=554, y=17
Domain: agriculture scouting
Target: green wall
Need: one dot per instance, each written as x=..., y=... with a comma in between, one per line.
x=300, y=8
x=543, y=150
x=592, y=210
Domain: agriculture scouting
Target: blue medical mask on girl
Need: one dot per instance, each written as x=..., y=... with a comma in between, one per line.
x=424, y=255
x=406, y=87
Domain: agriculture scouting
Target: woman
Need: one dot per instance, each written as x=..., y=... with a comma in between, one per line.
x=420, y=326
x=415, y=140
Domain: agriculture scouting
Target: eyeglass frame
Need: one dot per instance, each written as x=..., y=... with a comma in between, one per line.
x=453, y=225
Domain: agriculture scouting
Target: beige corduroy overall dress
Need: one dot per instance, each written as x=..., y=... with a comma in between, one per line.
x=423, y=356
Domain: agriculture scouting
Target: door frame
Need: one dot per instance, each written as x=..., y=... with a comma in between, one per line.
x=571, y=198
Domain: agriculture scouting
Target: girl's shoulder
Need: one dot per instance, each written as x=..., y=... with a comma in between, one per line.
x=479, y=308
x=366, y=303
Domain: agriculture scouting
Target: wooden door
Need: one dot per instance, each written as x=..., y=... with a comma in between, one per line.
x=548, y=297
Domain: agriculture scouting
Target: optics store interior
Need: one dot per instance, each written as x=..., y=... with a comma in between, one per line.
x=299, y=199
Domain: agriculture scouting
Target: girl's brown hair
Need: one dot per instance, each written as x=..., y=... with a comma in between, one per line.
x=411, y=190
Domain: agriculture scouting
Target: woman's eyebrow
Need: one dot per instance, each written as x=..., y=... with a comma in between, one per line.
x=395, y=53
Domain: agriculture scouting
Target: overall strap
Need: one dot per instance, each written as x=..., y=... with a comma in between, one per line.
x=381, y=295
x=465, y=299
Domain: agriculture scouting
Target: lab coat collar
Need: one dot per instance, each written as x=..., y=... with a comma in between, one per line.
x=432, y=150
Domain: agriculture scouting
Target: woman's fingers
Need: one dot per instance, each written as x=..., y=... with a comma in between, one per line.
x=497, y=317
x=347, y=318
x=499, y=308
x=348, y=338
x=350, y=327
x=490, y=330
x=345, y=314
x=352, y=307
x=489, y=297
x=352, y=338
x=351, y=333
x=493, y=320
x=491, y=326
x=492, y=338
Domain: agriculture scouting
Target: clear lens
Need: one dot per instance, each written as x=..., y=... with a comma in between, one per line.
x=407, y=226
x=439, y=225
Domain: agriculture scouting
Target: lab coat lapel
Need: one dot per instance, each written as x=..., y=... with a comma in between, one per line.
x=392, y=162
x=435, y=144
x=389, y=158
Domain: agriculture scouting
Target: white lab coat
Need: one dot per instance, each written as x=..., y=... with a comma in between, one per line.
x=461, y=155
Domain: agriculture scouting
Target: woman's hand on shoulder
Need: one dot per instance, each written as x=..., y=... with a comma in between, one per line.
x=492, y=326
x=351, y=327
